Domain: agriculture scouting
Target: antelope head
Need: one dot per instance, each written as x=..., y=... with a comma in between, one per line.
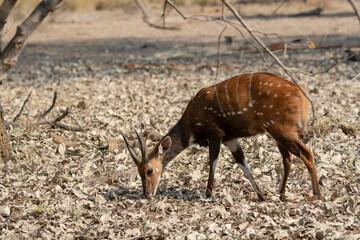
x=150, y=167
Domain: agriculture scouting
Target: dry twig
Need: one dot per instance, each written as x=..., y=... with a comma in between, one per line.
x=22, y=107
x=355, y=7
x=51, y=107
x=146, y=17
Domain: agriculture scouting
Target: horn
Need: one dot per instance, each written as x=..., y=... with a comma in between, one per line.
x=131, y=150
x=144, y=155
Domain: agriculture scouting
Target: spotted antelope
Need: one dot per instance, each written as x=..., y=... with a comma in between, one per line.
x=242, y=106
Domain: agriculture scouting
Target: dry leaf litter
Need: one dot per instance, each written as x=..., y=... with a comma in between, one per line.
x=62, y=186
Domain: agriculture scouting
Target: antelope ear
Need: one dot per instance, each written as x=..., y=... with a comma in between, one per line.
x=164, y=145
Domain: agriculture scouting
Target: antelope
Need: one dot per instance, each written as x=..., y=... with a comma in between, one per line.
x=242, y=106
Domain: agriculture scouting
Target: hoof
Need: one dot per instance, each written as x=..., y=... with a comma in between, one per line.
x=261, y=197
x=282, y=198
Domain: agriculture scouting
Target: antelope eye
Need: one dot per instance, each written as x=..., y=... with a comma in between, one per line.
x=149, y=172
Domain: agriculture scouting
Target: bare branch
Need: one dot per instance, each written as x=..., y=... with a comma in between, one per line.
x=277, y=60
x=146, y=17
x=219, y=38
x=51, y=107
x=355, y=7
x=277, y=9
x=22, y=107
x=5, y=9
x=13, y=49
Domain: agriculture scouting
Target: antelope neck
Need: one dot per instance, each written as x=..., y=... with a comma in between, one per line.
x=179, y=141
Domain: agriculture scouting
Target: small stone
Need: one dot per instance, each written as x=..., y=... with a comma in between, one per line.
x=319, y=235
x=4, y=211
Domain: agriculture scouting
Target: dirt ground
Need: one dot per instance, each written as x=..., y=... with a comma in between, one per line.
x=116, y=73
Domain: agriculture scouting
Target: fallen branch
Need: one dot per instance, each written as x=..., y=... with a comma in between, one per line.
x=51, y=107
x=22, y=107
x=68, y=127
x=59, y=118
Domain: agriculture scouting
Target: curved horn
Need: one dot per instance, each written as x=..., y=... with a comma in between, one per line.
x=131, y=150
x=144, y=155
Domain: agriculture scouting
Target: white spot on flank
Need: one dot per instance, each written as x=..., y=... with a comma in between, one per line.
x=245, y=109
x=271, y=106
x=266, y=83
x=254, y=101
x=215, y=111
x=228, y=113
x=272, y=121
x=260, y=83
x=210, y=109
x=237, y=92
x=205, y=108
x=157, y=170
x=249, y=94
x=259, y=93
x=208, y=92
x=275, y=95
x=233, y=113
x=270, y=84
x=268, y=93
x=277, y=113
x=224, y=115
x=264, y=106
x=199, y=124
x=218, y=101
x=279, y=85
x=239, y=112
x=227, y=96
x=287, y=95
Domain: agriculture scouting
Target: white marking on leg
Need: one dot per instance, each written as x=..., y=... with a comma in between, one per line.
x=247, y=172
x=214, y=165
x=249, y=93
x=233, y=145
x=191, y=140
x=300, y=123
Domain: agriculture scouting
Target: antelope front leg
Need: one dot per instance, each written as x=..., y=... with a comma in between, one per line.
x=239, y=156
x=214, y=149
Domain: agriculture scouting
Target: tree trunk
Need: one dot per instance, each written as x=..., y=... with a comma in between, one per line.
x=5, y=149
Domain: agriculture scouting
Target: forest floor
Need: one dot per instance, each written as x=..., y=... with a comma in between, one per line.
x=116, y=73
